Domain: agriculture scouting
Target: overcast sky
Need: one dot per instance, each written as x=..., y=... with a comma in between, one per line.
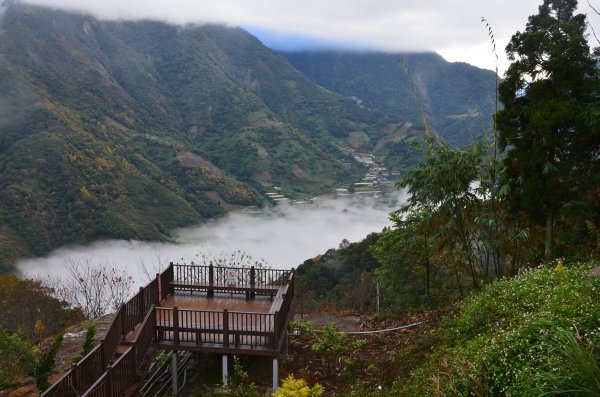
x=451, y=28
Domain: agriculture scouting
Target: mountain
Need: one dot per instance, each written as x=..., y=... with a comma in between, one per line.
x=457, y=98
x=129, y=129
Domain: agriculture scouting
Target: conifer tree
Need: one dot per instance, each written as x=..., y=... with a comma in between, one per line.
x=549, y=124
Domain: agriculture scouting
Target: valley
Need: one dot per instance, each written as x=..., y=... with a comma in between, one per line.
x=132, y=129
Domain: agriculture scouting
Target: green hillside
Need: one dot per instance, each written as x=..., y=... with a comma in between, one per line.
x=457, y=98
x=129, y=129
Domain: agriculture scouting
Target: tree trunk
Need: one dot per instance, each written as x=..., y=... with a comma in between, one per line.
x=458, y=280
x=548, y=240
x=427, y=267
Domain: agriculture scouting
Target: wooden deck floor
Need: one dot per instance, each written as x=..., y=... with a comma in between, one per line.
x=219, y=302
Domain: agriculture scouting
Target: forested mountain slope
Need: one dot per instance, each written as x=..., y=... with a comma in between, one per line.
x=457, y=98
x=128, y=129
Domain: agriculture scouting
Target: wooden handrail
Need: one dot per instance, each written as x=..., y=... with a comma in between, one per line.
x=95, y=376
x=218, y=275
x=80, y=378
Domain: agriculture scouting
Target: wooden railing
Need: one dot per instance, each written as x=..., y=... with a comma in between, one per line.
x=224, y=329
x=215, y=328
x=80, y=377
x=145, y=337
x=96, y=375
x=125, y=371
x=165, y=279
x=258, y=277
x=282, y=316
x=116, y=379
x=89, y=372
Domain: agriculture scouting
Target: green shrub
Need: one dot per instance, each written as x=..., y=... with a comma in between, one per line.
x=88, y=343
x=505, y=340
x=242, y=387
x=293, y=387
x=334, y=342
x=305, y=328
x=46, y=363
x=16, y=357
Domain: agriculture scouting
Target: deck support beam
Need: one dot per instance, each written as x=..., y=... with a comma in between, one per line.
x=275, y=373
x=225, y=371
x=174, y=372
x=285, y=347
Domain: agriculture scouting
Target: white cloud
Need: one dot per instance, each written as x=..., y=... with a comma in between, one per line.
x=284, y=237
x=452, y=28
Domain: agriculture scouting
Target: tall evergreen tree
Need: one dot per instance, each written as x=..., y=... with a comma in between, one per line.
x=549, y=124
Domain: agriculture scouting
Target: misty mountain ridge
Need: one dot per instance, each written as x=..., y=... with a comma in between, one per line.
x=116, y=129
x=129, y=129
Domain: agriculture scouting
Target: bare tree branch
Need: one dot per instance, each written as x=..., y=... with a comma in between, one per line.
x=95, y=289
x=592, y=7
x=589, y=25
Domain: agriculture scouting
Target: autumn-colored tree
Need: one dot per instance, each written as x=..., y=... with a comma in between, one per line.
x=29, y=306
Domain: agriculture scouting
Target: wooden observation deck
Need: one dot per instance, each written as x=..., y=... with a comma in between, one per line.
x=225, y=310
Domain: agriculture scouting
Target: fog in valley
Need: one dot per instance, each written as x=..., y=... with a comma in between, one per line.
x=282, y=237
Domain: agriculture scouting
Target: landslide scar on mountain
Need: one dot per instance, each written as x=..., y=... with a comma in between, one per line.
x=191, y=160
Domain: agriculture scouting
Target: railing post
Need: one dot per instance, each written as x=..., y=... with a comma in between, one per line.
x=74, y=379
x=123, y=314
x=160, y=334
x=109, y=379
x=153, y=322
x=276, y=329
x=225, y=328
x=211, y=279
x=252, y=282
x=170, y=286
x=135, y=363
x=141, y=308
x=103, y=359
x=159, y=289
x=175, y=325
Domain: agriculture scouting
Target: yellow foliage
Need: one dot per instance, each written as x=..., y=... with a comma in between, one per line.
x=293, y=387
x=74, y=157
x=85, y=192
x=317, y=259
x=560, y=268
x=103, y=163
x=39, y=327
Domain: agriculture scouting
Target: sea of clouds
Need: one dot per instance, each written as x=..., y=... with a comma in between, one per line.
x=283, y=237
